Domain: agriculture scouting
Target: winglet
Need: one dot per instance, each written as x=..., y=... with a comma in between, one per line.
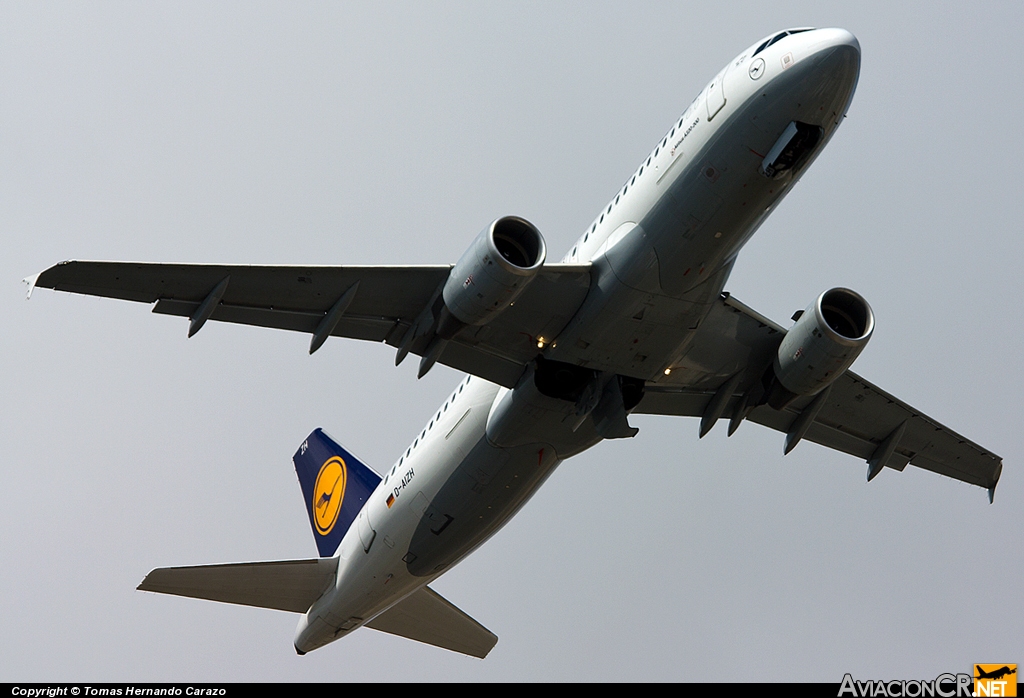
x=995, y=481
x=31, y=281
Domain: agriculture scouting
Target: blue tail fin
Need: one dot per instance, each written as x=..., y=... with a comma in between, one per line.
x=335, y=485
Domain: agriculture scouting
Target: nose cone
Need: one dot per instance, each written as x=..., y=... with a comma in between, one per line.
x=834, y=38
x=833, y=56
x=837, y=44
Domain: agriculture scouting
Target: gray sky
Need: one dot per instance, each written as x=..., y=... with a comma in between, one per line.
x=334, y=133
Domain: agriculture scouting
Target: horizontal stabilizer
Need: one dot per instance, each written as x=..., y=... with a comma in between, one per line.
x=284, y=585
x=428, y=617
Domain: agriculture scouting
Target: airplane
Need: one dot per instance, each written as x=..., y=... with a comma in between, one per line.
x=635, y=319
x=994, y=674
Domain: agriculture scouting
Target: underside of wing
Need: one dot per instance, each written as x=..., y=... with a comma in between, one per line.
x=858, y=417
x=852, y=415
x=374, y=303
x=282, y=297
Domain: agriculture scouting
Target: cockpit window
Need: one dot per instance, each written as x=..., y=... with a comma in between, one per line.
x=779, y=36
x=769, y=42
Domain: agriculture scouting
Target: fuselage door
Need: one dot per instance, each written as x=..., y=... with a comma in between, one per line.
x=716, y=95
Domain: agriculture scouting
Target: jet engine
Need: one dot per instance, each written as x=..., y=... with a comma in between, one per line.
x=499, y=265
x=824, y=342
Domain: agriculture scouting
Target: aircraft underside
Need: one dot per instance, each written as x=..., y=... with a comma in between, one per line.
x=634, y=320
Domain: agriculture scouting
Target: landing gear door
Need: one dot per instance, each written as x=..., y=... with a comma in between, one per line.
x=716, y=95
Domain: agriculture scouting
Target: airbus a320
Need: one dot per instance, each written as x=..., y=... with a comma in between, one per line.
x=635, y=319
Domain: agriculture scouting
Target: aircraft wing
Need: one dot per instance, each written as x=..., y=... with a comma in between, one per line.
x=376, y=303
x=857, y=417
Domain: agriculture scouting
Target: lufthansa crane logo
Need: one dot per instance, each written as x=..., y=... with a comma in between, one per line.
x=328, y=493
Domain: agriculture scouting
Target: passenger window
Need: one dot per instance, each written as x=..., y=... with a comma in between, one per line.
x=616, y=200
x=632, y=180
x=673, y=132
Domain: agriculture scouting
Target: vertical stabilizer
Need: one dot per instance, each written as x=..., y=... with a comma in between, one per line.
x=335, y=485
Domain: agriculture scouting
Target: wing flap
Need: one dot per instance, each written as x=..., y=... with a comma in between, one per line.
x=283, y=585
x=426, y=616
x=676, y=402
x=478, y=361
x=374, y=329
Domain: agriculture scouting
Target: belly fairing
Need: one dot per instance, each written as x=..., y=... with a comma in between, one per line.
x=487, y=488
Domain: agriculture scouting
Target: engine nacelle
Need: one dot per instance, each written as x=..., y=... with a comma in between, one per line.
x=502, y=261
x=823, y=343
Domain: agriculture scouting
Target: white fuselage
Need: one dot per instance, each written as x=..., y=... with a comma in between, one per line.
x=661, y=252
